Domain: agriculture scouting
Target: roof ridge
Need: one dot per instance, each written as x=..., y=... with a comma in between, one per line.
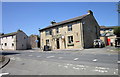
x=66, y=21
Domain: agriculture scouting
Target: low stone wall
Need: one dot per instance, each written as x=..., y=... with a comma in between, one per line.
x=2, y=58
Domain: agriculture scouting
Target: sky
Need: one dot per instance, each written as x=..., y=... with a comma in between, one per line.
x=30, y=16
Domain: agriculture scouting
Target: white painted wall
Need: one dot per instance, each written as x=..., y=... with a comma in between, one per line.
x=20, y=41
x=9, y=40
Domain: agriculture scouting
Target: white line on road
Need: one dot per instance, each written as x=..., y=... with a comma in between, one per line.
x=31, y=51
x=80, y=65
x=50, y=56
x=38, y=56
x=1, y=74
x=30, y=55
x=101, y=68
x=114, y=72
x=111, y=50
x=59, y=65
x=76, y=68
x=60, y=57
x=94, y=60
x=66, y=66
x=102, y=71
x=118, y=62
x=12, y=58
x=76, y=59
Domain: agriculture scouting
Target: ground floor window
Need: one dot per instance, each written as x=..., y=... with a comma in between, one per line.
x=12, y=44
x=70, y=39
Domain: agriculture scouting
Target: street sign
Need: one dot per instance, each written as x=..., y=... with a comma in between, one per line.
x=36, y=41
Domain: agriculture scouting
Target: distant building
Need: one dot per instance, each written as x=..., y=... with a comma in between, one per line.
x=34, y=41
x=14, y=41
x=107, y=34
x=75, y=33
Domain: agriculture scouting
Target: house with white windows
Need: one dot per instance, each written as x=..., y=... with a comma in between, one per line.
x=14, y=41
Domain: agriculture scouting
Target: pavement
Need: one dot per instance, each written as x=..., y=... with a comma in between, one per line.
x=5, y=62
x=93, y=61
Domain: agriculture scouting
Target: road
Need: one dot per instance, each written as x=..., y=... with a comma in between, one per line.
x=93, y=61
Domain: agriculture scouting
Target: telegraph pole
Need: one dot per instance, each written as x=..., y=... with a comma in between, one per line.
x=118, y=9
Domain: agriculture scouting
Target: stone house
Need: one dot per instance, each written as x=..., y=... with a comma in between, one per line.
x=107, y=35
x=14, y=41
x=34, y=41
x=75, y=33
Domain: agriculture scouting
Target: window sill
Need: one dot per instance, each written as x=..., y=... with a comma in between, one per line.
x=70, y=44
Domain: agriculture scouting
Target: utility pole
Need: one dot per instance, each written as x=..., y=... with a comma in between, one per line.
x=118, y=10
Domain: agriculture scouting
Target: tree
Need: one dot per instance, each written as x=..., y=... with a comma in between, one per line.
x=117, y=31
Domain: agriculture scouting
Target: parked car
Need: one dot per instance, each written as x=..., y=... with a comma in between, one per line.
x=98, y=43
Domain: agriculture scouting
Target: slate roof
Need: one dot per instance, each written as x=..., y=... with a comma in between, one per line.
x=11, y=34
x=64, y=22
x=107, y=27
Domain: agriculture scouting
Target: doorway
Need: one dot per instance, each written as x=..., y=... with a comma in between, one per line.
x=58, y=45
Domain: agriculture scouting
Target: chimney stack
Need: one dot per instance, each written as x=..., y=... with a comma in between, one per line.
x=90, y=12
x=53, y=22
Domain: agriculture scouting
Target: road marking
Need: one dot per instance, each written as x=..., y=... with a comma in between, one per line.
x=117, y=69
x=59, y=65
x=102, y=71
x=30, y=55
x=18, y=59
x=80, y=65
x=1, y=74
x=83, y=68
x=12, y=58
x=111, y=50
x=118, y=62
x=101, y=68
x=38, y=56
x=76, y=68
x=50, y=56
x=31, y=51
x=66, y=66
x=114, y=72
x=60, y=57
x=94, y=60
x=76, y=59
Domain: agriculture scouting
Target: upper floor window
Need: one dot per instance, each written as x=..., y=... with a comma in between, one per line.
x=47, y=42
x=70, y=39
x=70, y=27
x=5, y=44
x=12, y=36
x=57, y=30
x=49, y=32
x=102, y=29
x=110, y=29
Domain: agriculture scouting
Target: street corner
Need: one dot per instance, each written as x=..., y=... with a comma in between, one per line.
x=4, y=61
